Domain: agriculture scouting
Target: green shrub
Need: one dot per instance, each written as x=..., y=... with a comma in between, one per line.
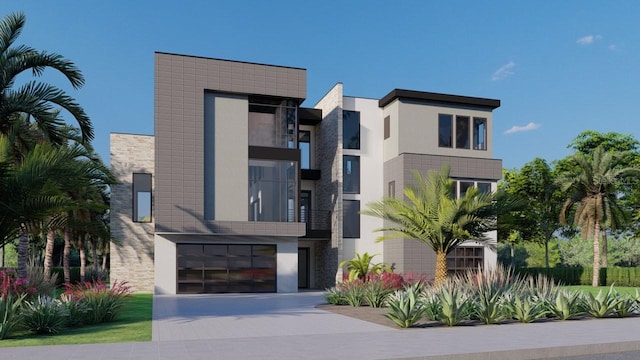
x=335, y=296
x=454, y=305
x=404, y=307
x=353, y=292
x=44, y=315
x=74, y=274
x=77, y=311
x=620, y=276
x=375, y=293
x=43, y=285
x=626, y=306
x=486, y=289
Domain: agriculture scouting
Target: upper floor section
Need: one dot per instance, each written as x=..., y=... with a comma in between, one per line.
x=437, y=124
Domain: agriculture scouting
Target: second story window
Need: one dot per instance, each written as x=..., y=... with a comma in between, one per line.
x=351, y=174
x=141, y=197
x=445, y=130
x=479, y=133
x=462, y=132
x=351, y=129
x=272, y=123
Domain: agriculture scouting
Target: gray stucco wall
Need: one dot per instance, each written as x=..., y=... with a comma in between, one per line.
x=133, y=259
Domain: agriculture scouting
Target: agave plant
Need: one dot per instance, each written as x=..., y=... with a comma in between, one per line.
x=431, y=304
x=524, y=308
x=567, y=305
x=603, y=304
x=10, y=316
x=335, y=296
x=353, y=293
x=405, y=309
x=626, y=306
x=455, y=305
x=375, y=293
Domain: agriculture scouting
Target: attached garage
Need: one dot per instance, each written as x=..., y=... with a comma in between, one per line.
x=226, y=268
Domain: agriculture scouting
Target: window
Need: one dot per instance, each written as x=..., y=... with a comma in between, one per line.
x=445, y=130
x=304, y=144
x=479, y=133
x=462, y=132
x=484, y=187
x=464, y=186
x=272, y=124
x=465, y=258
x=141, y=197
x=387, y=127
x=350, y=129
x=351, y=174
x=351, y=219
x=392, y=189
x=272, y=190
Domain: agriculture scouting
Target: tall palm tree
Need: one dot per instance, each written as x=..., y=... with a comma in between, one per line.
x=593, y=197
x=41, y=102
x=433, y=215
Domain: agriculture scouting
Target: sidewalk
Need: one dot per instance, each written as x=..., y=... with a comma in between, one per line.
x=288, y=326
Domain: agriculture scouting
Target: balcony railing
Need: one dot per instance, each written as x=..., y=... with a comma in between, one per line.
x=316, y=219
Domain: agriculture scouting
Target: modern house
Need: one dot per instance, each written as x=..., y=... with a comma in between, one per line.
x=243, y=190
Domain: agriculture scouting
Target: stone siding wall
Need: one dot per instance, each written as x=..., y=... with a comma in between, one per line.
x=132, y=260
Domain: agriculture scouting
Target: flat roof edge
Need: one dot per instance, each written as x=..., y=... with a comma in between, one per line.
x=228, y=60
x=438, y=98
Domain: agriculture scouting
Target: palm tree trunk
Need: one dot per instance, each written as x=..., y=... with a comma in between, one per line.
x=441, y=267
x=23, y=251
x=65, y=256
x=605, y=250
x=513, y=254
x=83, y=259
x=48, y=253
x=103, y=267
x=596, y=255
x=94, y=254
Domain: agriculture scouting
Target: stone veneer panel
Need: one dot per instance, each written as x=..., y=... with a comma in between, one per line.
x=133, y=259
x=328, y=187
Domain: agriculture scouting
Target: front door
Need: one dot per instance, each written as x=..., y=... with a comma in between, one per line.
x=303, y=268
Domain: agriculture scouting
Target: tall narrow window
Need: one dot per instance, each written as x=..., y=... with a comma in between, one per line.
x=141, y=197
x=351, y=219
x=351, y=174
x=464, y=186
x=445, y=130
x=392, y=189
x=350, y=129
x=462, y=132
x=304, y=144
x=479, y=133
x=387, y=127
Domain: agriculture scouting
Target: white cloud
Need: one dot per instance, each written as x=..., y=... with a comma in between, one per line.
x=515, y=129
x=504, y=71
x=588, y=39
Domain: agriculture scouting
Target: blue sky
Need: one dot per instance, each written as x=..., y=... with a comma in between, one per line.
x=559, y=67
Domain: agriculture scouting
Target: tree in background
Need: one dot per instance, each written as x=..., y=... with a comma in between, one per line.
x=535, y=184
x=592, y=196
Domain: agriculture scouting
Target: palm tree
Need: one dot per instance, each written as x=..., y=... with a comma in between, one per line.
x=593, y=197
x=432, y=215
x=41, y=102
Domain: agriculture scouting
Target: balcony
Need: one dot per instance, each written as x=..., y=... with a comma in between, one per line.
x=318, y=223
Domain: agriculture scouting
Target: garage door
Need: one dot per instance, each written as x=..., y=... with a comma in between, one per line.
x=226, y=268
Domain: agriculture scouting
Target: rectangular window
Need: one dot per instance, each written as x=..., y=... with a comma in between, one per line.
x=464, y=258
x=479, y=133
x=351, y=174
x=445, y=130
x=351, y=219
x=387, y=127
x=464, y=186
x=272, y=190
x=304, y=144
x=272, y=125
x=484, y=187
x=141, y=197
x=392, y=189
x=350, y=129
x=462, y=132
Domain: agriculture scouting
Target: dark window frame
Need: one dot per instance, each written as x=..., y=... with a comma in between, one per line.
x=351, y=228
x=387, y=127
x=463, y=130
x=445, y=142
x=141, y=183
x=354, y=176
x=477, y=145
x=354, y=142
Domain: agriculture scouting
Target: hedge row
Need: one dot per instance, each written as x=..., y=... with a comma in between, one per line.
x=620, y=276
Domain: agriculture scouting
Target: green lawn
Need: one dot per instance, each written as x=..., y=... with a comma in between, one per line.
x=134, y=324
x=594, y=290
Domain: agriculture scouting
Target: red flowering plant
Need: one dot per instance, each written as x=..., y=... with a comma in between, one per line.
x=104, y=303
x=11, y=284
